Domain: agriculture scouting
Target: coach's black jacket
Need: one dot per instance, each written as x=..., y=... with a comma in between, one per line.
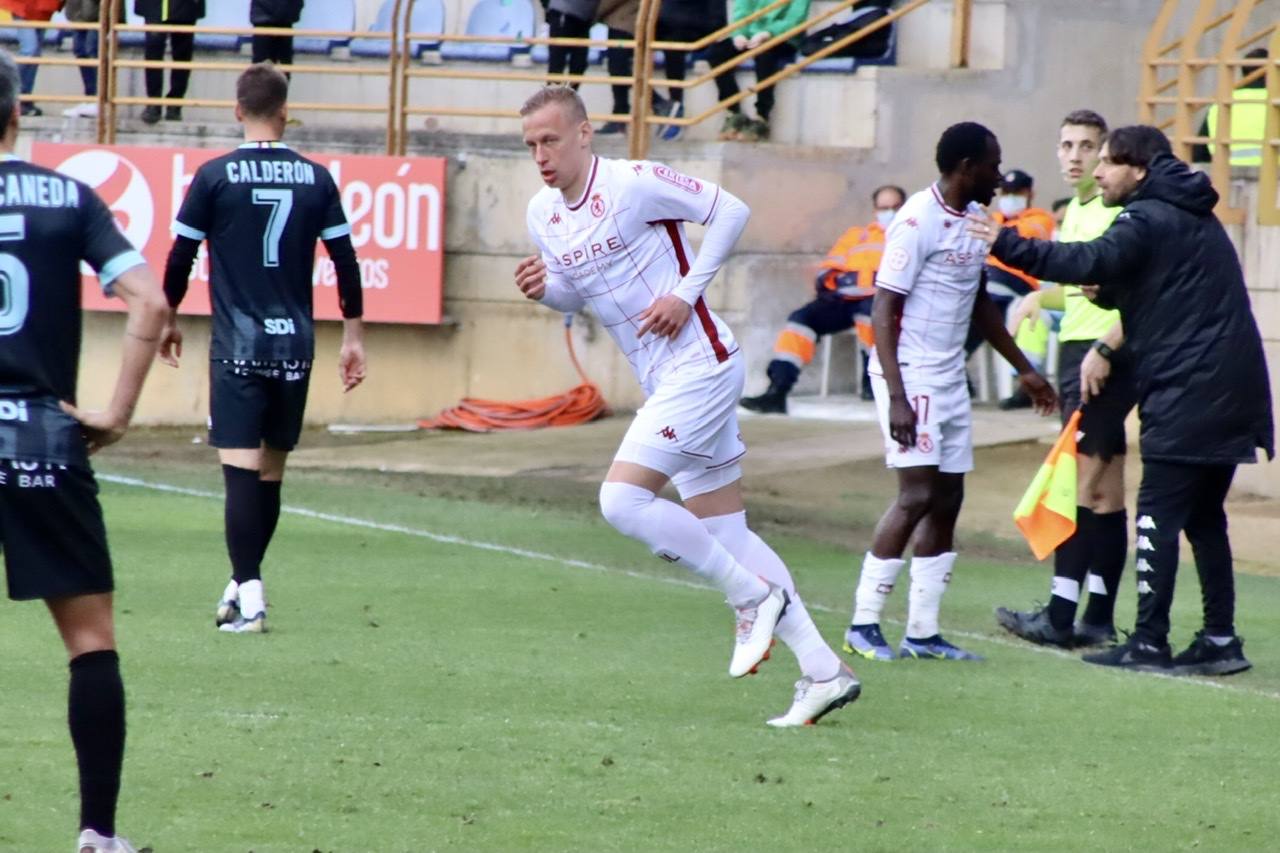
x=1168, y=265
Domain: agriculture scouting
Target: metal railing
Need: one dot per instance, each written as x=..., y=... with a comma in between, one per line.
x=1179, y=70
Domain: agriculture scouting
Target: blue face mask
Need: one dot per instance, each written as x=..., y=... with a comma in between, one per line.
x=884, y=217
x=1011, y=205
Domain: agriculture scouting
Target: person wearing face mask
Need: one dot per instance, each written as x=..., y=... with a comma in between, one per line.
x=845, y=285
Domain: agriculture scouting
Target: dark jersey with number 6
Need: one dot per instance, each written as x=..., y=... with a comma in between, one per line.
x=49, y=223
x=262, y=207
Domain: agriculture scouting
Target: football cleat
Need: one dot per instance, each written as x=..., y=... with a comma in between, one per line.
x=933, y=648
x=866, y=640
x=1086, y=634
x=753, y=636
x=256, y=625
x=1135, y=655
x=1034, y=626
x=93, y=842
x=228, y=605
x=815, y=699
x=1205, y=657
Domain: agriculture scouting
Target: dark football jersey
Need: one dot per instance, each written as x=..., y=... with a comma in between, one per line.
x=49, y=223
x=262, y=207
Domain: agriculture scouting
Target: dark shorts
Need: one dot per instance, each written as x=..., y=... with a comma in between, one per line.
x=51, y=531
x=1103, y=420
x=252, y=403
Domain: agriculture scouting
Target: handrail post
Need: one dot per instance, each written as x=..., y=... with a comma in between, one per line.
x=961, y=27
x=402, y=138
x=111, y=85
x=393, y=81
x=641, y=72
x=105, y=68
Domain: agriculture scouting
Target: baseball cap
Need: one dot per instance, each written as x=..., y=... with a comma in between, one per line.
x=1015, y=180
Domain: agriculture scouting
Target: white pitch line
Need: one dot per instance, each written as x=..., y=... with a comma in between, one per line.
x=448, y=539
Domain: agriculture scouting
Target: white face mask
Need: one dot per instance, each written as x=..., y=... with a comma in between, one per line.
x=884, y=217
x=1010, y=205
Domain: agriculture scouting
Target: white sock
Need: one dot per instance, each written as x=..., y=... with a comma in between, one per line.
x=929, y=579
x=874, y=587
x=251, y=599
x=1066, y=588
x=676, y=535
x=229, y=594
x=796, y=628
x=1097, y=586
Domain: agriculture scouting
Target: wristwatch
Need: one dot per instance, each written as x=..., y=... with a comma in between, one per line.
x=1101, y=348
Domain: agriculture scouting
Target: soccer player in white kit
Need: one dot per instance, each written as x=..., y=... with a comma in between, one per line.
x=610, y=235
x=930, y=283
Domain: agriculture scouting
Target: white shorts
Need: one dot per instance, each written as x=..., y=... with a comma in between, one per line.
x=688, y=430
x=944, y=426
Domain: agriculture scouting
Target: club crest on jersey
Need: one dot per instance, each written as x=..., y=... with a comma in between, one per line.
x=597, y=206
x=668, y=433
x=671, y=176
x=924, y=443
x=898, y=259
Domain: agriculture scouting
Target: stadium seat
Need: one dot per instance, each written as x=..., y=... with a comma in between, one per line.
x=507, y=18
x=327, y=15
x=428, y=17
x=224, y=13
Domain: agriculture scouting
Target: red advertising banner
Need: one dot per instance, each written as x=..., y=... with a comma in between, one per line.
x=395, y=206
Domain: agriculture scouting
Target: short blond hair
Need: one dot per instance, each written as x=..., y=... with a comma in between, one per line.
x=566, y=98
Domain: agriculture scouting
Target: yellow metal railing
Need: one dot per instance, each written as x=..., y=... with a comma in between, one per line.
x=1183, y=75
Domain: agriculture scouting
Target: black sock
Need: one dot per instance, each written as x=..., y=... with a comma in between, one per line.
x=95, y=715
x=1110, y=550
x=243, y=518
x=270, y=514
x=1071, y=562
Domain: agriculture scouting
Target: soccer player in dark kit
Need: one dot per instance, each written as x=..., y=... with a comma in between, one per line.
x=262, y=207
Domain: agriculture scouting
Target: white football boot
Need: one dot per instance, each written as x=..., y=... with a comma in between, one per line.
x=815, y=699
x=253, y=610
x=754, y=634
x=228, y=605
x=92, y=842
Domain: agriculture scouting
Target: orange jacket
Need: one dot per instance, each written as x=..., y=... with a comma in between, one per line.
x=32, y=10
x=857, y=251
x=1034, y=223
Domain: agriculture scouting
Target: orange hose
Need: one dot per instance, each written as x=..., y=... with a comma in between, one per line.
x=578, y=405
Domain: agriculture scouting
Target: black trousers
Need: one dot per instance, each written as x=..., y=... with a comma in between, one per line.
x=184, y=47
x=573, y=58
x=1175, y=498
x=277, y=49
x=767, y=64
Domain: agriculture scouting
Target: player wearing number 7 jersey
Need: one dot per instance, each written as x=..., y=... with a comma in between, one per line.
x=262, y=207
x=929, y=287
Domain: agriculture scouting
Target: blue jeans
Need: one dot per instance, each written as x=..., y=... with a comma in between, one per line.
x=84, y=45
x=30, y=43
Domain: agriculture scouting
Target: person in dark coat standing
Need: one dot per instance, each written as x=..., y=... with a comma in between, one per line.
x=1204, y=395
x=274, y=13
x=184, y=47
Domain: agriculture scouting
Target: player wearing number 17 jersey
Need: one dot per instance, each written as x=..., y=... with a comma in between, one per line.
x=929, y=287
x=610, y=236
x=262, y=207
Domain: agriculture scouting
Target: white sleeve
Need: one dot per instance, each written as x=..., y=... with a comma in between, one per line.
x=728, y=219
x=905, y=248
x=660, y=192
x=559, y=295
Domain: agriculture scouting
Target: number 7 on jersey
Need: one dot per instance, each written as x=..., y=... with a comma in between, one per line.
x=281, y=204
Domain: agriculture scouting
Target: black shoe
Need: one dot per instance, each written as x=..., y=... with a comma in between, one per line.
x=1084, y=634
x=611, y=128
x=1135, y=655
x=173, y=113
x=768, y=403
x=151, y=114
x=866, y=393
x=1017, y=400
x=1034, y=626
x=1205, y=657
x=29, y=109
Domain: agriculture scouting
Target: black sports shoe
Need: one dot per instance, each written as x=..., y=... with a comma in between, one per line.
x=1034, y=626
x=768, y=403
x=1205, y=657
x=611, y=128
x=150, y=114
x=1134, y=654
x=1086, y=634
x=173, y=113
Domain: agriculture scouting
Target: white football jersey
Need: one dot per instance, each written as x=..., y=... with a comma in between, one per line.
x=620, y=247
x=931, y=259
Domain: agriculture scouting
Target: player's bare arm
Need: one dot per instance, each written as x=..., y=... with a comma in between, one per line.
x=531, y=277
x=990, y=324
x=886, y=320
x=351, y=358
x=148, y=311
x=171, y=340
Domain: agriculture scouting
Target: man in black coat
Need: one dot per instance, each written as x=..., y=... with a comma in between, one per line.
x=1204, y=396
x=183, y=44
x=274, y=13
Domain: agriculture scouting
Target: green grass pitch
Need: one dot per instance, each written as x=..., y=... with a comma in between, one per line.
x=419, y=695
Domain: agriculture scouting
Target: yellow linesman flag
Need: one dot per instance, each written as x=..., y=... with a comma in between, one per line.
x=1046, y=515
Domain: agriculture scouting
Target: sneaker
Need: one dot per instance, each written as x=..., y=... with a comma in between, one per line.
x=754, y=635
x=756, y=130
x=29, y=109
x=92, y=842
x=734, y=124
x=1017, y=400
x=671, y=132
x=256, y=625
x=866, y=640
x=228, y=605
x=933, y=648
x=768, y=403
x=89, y=110
x=611, y=128
x=1205, y=657
x=1087, y=634
x=1034, y=626
x=1133, y=654
x=173, y=113
x=150, y=115
x=815, y=699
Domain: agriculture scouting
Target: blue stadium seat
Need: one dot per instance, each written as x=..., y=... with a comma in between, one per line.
x=507, y=18
x=428, y=17
x=325, y=15
x=595, y=55
x=224, y=13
